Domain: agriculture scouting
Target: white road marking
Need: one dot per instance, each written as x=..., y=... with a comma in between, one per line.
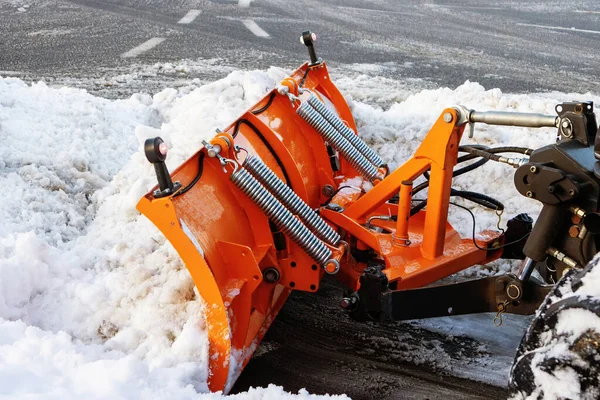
x=189, y=17
x=465, y=7
x=11, y=73
x=377, y=11
x=244, y=3
x=254, y=28
x=560, y=28
x=147, y=45
x=586, y=12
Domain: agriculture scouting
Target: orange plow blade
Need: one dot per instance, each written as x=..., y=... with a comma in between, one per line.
x=240, y=212
x=243, y=266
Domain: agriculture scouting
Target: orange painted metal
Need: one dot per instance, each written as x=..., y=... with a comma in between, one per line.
x=436, y=250
x=226, y=241
x=400, y=237
x=163, y=215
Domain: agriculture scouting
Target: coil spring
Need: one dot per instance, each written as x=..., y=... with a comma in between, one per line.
x=289, y=199
x=281, y=217
x=346, y=132
x=337, y=141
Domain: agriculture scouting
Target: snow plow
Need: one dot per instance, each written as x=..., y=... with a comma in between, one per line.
x=271, y=205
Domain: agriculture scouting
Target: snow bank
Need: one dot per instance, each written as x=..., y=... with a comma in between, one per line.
x=93, y=301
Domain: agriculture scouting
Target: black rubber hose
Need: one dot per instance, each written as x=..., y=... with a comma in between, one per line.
x=456, y=172
x=476, y=151
x=196, y=179
x=418, y=207
x=481, y=199
x=256, y=112
x=236, y=130
x=490, y=153
x=507, y=149
x=480, y=153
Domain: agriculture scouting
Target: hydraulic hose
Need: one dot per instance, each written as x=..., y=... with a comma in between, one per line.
x=476, y=151
x=490, y=154
x=479, y=198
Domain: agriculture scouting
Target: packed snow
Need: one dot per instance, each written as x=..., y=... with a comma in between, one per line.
x=93, y=301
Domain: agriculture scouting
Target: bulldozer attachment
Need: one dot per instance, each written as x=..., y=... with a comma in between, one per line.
x=271, y=205
x=240, y=212
x=242, y=264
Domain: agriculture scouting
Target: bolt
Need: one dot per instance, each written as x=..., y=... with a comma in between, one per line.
x=328, y=191
x=332, y=267
x=533, y=169
x=448, y=117
x=571, y=193
x=529, y=193
x=349, y=303
x=565, y=123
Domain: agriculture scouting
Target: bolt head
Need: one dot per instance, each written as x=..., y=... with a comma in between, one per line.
x=328, y=191
x=533, y=169
x=571, y=193
x=345, y=303
x=565, y=123
x=332, y=267
x=448, y=117
x=529, y=193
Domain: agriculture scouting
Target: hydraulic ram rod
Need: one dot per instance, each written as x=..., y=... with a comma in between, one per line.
x=514, y=119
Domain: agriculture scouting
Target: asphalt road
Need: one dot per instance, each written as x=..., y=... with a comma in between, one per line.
x=312, y=344
x=524, y=46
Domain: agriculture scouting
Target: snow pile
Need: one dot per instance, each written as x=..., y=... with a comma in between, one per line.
x=93, y=301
